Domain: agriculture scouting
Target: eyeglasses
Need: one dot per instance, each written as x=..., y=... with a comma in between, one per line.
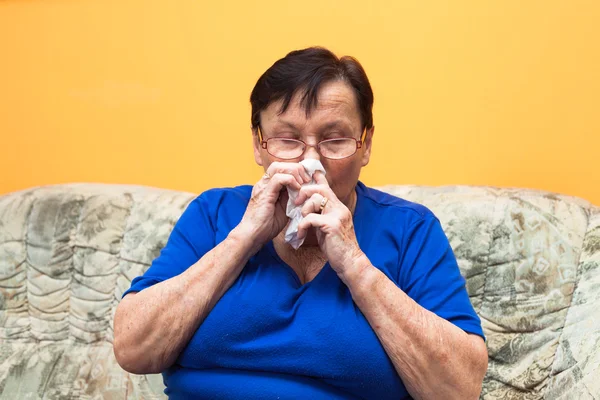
x=334, y=149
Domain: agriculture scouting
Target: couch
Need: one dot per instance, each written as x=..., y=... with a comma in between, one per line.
x=67, y=252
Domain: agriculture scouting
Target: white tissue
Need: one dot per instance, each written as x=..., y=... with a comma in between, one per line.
x=295, y=212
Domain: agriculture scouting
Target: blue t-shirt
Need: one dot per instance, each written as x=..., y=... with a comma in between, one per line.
x=270, y=337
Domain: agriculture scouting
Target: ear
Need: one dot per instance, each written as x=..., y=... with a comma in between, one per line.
x=367, y=146
x=257, y=147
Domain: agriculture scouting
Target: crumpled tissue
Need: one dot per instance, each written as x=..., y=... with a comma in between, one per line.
x=295, y=212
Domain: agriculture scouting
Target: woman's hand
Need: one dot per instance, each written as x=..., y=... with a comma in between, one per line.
x=333, y=225
x=265, y=215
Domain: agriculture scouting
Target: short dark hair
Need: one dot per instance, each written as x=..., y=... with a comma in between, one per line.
x=308, y=70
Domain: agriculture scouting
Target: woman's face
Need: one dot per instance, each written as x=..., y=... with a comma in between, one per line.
x=336, y=115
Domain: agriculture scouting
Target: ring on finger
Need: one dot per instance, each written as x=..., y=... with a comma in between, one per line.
x=266, y=176
x=323, y=204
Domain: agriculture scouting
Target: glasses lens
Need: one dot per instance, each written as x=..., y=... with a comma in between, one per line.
x=285, y=148
x=337, y=148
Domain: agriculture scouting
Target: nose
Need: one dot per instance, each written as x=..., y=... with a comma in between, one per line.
x=311, y=152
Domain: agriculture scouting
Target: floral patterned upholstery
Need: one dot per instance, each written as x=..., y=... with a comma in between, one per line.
x=68, y=252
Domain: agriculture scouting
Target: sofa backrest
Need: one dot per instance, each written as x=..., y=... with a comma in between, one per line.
x=531, y=260
x=68, y=252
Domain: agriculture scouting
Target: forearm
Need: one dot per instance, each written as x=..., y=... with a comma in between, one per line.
x=153, y=326
x=434, y=358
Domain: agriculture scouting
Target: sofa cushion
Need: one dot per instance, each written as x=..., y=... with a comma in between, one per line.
x=69, y=370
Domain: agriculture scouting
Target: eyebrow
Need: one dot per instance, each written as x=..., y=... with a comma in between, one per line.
x=335, y=124
x=287, y=124
x=329, y=125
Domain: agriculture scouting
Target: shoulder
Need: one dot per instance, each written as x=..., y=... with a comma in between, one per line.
x=213, y=204
x=228, y=195
x=392, y=207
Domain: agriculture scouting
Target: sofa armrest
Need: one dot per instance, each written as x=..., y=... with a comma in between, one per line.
x=576, y=368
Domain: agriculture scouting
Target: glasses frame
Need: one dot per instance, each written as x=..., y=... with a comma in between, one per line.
x=359, y=143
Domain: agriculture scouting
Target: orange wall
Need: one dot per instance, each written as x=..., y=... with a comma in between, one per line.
x=499, y=93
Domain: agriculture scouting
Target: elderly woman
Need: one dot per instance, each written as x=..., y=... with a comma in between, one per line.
x=371, y=306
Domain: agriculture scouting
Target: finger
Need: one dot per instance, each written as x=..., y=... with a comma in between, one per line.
x=310, y=221
x=294, y=169
x=308, y=191
x=297, y=173
x=278, y=169
x=282, y=201
x=280, y=181
x=302, y=171
x=305, y=175
x=320, y=178
x=312, y=205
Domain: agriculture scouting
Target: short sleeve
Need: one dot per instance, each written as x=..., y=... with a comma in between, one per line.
x=192, y=236
x=429, y=274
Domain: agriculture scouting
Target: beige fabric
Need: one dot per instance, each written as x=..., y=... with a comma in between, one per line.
x=68, y=252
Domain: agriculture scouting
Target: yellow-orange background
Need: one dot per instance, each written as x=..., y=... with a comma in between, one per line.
x=501, y=93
